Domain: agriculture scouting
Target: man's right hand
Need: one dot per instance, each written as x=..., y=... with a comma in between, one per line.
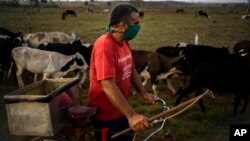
x=138, y=122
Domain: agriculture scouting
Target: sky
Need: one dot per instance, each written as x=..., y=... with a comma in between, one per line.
x=194, y=1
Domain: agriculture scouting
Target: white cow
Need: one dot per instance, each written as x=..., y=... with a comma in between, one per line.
x=51, y=64
x=35, y=39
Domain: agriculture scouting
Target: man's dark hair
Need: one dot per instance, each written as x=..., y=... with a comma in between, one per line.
x=122, y=13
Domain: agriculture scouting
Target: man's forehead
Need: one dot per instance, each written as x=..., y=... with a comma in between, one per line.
x=135, y=15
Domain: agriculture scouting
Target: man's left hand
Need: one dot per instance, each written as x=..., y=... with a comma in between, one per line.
x=150, y=98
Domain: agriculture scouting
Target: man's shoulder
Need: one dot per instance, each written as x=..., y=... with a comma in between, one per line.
x=105, y=38
x=104, y=41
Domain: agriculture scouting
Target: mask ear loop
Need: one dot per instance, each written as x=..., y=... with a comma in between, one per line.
x=109, y=29
x=112, y=30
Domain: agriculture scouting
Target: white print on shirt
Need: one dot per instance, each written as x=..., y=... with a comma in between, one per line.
x=127, y=68
x=127, y=71
x=125, y=58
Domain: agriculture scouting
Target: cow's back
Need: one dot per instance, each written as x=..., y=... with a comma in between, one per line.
x=39, y=61
x=140, y=58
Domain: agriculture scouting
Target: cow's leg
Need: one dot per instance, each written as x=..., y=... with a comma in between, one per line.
x=45, y=75
x=200, y=102
x=170, y=87
x=154, y=86
x=145, y=80
x=84, y=76
x=184, y=90
x=246, y=102
x=19, y=76
x=35, y=77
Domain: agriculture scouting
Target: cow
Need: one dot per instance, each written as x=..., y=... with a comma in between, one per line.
x=68, y=12
x=154, y=66
x=70, y=48
x=51, y=64
x=5, y=33
x=242, y=47
x=201, y=13
x=180, y=10
x=89, y=10
x=6, y=46
x=170, y=51
x=35, y=39
x=218, y=70
x=196, y=53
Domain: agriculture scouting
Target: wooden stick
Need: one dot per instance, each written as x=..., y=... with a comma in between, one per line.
x=164, y=113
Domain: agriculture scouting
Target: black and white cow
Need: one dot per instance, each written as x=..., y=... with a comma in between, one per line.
x=70, y=48
x=51, y=64
x=154, y=66
x=5, y=33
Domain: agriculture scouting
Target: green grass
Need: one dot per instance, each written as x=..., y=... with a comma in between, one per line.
x=161, y=26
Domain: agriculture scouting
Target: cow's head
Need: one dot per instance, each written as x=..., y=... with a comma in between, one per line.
x=78, y=64
x=80, y=61
x=83, y=66
x=77, y=42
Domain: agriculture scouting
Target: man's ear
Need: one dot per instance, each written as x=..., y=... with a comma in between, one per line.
x=123, y=26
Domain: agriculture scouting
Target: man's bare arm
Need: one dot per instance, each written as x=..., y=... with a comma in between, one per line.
x=136, y=121
x=116, y=97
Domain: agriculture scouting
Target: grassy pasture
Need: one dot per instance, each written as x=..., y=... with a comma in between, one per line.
x=161, y=26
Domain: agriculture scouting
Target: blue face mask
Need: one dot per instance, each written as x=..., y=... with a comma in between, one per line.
x=131, y=32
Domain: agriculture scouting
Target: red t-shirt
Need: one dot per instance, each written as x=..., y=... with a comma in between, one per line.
x=109, y=59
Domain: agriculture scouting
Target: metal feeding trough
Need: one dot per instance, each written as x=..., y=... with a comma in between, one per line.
x=40, y=109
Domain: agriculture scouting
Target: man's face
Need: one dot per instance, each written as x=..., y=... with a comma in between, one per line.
x=134, y=20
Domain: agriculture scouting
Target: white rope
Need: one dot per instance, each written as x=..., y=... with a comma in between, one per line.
x=162, y=125
x=196, y=99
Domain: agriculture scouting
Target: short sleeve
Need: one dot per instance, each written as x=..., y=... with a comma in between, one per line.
x=105, y=63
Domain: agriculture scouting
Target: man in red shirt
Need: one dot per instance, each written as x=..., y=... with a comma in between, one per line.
x=111, y=73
